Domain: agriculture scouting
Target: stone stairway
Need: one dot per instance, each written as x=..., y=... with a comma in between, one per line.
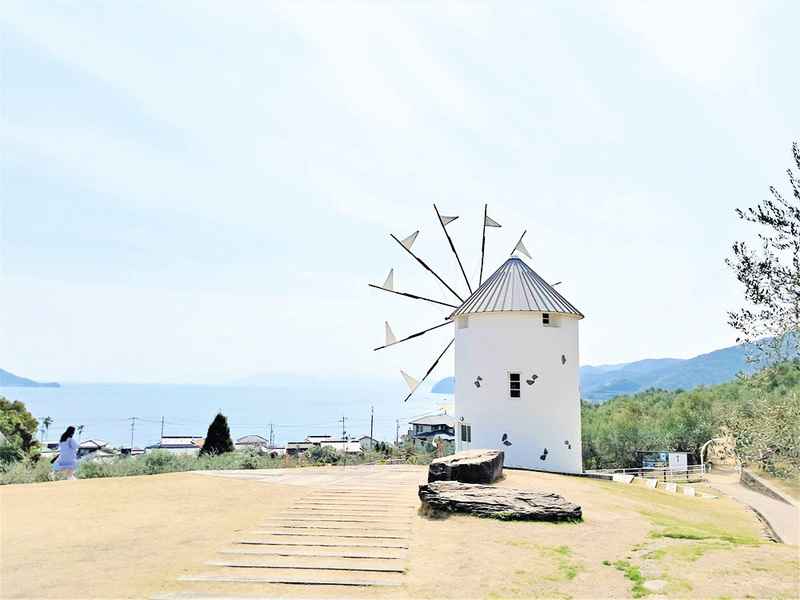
x=341, y=536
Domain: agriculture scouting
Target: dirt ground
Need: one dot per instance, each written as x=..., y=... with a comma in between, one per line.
x=132, y=537
x=121, y=537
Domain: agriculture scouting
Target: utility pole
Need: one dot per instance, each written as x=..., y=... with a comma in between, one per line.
x=344, y=440
x=162, y=431
x=133, y=427
x=397, y=434
x=371, y=420
x=271, y=436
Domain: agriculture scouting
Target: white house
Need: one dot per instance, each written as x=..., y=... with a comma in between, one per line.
x=516, y=368
x=178, y=444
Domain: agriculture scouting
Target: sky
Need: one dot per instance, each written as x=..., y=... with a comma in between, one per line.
x=200, y=192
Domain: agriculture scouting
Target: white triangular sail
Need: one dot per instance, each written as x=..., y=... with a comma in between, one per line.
x=446, y=220
x=490, y=222
x=410, y=381
x=409, y=241
x=390, y=338
x=389, y=283
x=520, y=247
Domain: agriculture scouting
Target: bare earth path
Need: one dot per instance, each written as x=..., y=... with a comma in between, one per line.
x=784, y=518
x=354, y=532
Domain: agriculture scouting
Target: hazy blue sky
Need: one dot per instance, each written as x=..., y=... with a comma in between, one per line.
x=201, y=191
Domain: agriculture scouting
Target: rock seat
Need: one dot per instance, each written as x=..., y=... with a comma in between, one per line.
x=507, y=504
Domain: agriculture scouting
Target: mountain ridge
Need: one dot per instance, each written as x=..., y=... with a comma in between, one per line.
x=8, y=379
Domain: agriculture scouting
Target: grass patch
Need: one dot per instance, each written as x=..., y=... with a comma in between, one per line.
x=656, y=554
x=682, y=529
x=633, y=574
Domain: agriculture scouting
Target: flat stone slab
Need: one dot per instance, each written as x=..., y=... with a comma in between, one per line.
x=671, y=487
x=470, y=466
x=507, y=504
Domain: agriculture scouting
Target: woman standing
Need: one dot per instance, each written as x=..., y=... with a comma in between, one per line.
x=67, y=454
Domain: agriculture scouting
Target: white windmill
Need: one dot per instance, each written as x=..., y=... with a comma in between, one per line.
x=516, y=360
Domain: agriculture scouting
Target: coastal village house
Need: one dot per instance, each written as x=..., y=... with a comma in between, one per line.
x=343, y=446
x=429, y=428
x=516, y=371
x=178, y=444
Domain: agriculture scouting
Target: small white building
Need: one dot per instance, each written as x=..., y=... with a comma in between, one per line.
x=517, y=371
x=178, y=444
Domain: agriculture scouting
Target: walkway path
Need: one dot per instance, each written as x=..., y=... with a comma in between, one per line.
x=352, y=529
x=783, y=518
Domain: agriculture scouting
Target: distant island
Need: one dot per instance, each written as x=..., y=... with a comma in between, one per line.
x=10, y=380
x=601, y=383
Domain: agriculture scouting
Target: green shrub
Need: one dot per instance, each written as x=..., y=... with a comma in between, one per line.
x=25, y=471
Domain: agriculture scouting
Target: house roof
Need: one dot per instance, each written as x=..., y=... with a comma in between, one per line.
x=515, y=287
x=448, y=420
x=97, y=444
x=252, y=439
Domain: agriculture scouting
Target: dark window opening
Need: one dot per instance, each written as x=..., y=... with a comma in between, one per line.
x=466, y=433
x=514, y=385
x=545, y=318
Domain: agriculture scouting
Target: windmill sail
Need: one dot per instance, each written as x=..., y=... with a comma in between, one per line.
x=409, y=241
x=389, y=283
x=520, y=247
x=446, y=220
x=390, y=338
x=410, y=381
x=490, y=222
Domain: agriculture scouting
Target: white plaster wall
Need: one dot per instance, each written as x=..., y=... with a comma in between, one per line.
x=546, y=414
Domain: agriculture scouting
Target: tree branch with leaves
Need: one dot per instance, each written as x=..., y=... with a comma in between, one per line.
x=770, y=273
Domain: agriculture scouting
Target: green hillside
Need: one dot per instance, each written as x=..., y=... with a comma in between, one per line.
x=761, y=412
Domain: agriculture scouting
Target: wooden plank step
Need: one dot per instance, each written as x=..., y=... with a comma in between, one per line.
x=323, y=567
x=288, y=580
x=339, y=528
x=321, y=545
x=321, y=520
x=330, y=535
x=295, y=554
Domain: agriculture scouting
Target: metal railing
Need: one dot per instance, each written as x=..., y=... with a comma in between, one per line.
x=670, y=474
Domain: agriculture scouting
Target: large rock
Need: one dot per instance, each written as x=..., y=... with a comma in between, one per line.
x=470, y=466
x=500, y=503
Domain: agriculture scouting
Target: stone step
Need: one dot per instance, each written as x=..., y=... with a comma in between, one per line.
x=329, y=535
x=240, y=564
x=321, y=544
x=291, y=579
x=399, y=555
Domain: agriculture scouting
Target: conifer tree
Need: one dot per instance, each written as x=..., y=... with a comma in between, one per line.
x=218, y=438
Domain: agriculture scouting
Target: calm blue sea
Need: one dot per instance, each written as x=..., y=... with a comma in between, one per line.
x=295, y=410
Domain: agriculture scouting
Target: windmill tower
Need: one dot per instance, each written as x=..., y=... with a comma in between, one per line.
x=516, y=362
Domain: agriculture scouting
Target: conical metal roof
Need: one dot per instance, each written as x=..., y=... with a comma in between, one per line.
x=515, y=287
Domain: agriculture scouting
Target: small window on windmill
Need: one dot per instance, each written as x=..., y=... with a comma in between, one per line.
x=466, y=433
x=513, y=385
x=549, y=320
x=463, y=322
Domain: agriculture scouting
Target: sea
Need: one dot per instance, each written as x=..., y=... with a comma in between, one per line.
x=117, y=412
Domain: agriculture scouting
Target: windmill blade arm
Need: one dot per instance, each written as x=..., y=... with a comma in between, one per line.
x=452, y=247
x=433, y=366
x=414, y=335
x=414, y=296
x=427, y=268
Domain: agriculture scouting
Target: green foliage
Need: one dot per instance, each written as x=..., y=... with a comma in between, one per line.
x=218, y=439
x=633, y=574
x=769, y=270
x=25, y=471
x=323, y=455
x=18, y=428
x=760, y=413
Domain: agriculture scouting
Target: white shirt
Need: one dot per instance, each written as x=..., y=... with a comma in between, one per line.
x=67, y=454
